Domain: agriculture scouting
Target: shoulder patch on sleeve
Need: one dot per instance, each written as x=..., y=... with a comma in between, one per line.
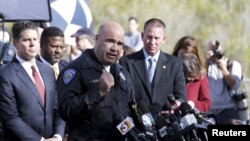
x=68, y=75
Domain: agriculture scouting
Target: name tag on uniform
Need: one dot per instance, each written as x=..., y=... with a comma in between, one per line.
x=94, y=81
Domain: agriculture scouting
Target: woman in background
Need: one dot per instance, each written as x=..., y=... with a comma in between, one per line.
x=197, y=85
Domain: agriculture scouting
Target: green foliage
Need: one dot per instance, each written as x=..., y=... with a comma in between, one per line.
x=225, y=20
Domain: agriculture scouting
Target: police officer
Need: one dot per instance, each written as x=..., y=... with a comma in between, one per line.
x=93, y=89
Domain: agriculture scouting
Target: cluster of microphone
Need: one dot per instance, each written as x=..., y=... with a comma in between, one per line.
x=175, y=121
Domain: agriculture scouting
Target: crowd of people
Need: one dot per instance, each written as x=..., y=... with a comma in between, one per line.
x=45, y=97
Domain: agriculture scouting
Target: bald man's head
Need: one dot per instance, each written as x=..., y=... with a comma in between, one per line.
x=109, y=42
x=108, y=26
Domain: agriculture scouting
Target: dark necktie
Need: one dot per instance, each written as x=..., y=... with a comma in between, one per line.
x=38, y=83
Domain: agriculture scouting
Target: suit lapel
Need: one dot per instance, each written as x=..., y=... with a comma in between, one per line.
x=26, y=80
x=160, y=69
x=141, y=70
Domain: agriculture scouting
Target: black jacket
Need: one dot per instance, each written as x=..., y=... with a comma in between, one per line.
x=90, y=116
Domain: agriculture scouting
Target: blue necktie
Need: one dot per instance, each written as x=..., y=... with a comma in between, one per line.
x=151, y=68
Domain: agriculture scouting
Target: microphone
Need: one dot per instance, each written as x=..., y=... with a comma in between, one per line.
x=188, y=119
x=166, y=106
x=146, y=116
x=167, y=124
x=114, y=70
x=171, y=110
x=167, y=109
x=200, y=117
x=155, y=109
x=174, y=104
x=161, y=121
x=125, y=127
x=137, y=120
x=147, y=121
x=206, y=119
x=135, y=115
x=176, y=127
x=162, y=128
x=174, y=123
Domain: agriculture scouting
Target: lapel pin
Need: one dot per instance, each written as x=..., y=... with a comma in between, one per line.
x=164, y=67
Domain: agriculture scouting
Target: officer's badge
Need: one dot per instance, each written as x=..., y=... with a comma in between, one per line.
x=68, y=76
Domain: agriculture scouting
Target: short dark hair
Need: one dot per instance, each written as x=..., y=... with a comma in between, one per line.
x=20, y=26
x=133, y=18
x=50, y=32
x=155, y=21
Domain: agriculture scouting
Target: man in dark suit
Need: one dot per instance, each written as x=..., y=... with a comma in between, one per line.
x=28, y=97
x=168, y=77
x=52, y=47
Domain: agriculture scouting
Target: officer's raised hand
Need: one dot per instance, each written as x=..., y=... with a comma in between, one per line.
x=106, y=82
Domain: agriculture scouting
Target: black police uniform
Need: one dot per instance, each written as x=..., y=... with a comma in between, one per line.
x=90, y=116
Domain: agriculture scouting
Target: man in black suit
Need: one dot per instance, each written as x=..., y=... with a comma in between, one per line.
x=52, y=44
x=168, y=77
x=52, y=47
x=28, y=97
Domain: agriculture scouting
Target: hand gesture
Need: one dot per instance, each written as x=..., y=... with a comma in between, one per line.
x=106, y=82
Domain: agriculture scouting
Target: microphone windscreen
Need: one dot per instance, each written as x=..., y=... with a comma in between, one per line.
x=147, y=118
x=155, y=108
x=115, y=71
x=160, y=121
x=118, y=118
x=143, y=107
x=161, y=126
x=166, y=106
x=172, y=118
x=171, y=98
x=185, y=108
